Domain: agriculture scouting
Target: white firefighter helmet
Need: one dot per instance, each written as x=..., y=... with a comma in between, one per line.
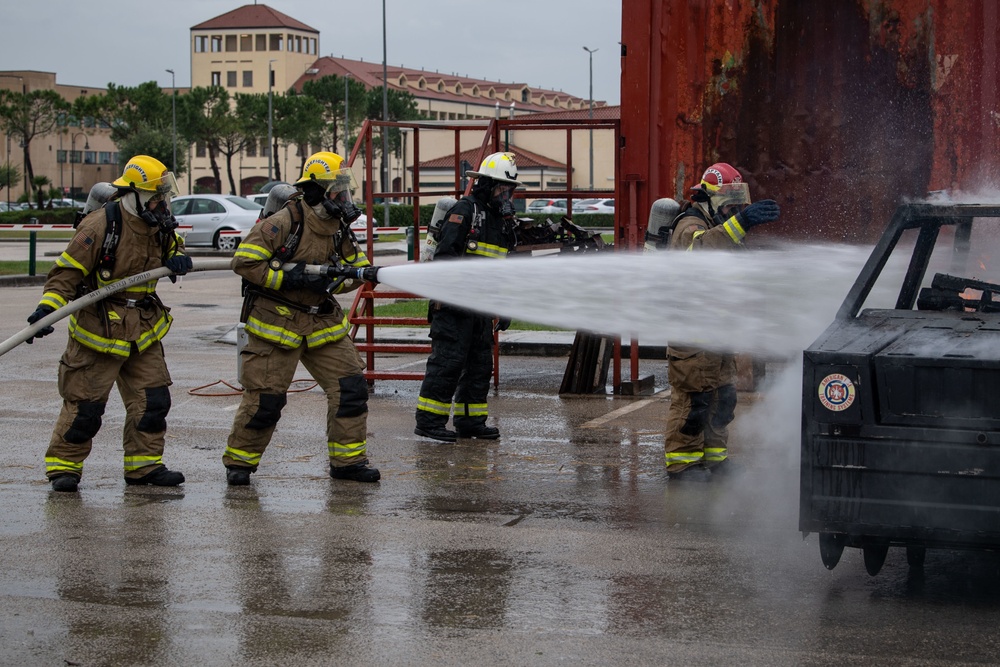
x=501, y=167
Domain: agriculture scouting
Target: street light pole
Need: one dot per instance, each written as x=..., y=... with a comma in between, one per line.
x=173, y=89
x=385, y=118
x=72, y=151
x=347, y=115
x=270, y=148
x=591, y=52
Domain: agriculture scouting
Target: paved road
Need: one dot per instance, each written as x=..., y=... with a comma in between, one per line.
x=561, y=543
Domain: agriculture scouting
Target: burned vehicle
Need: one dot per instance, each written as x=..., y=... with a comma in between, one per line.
x=901, y=404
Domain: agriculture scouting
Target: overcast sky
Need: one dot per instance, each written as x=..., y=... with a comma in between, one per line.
x=538, y=42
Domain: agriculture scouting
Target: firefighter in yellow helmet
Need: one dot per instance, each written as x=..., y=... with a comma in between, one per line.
x=457, y=379
x=116, y=340
x=702, y=382
x=291, y=316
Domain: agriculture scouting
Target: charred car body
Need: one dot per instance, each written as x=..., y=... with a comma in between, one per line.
x=901, y=405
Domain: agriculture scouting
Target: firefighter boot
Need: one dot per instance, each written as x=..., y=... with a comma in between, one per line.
x=359, y=472
x=237, y=475
x=66, y=482
x=481, y=431
x=158, y=477
x=436, y=432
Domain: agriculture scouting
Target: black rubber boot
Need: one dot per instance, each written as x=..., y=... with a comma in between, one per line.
x=237, y=476
x=158, y=477
x=482, y=431
x=359, y=472
x=437, y=433
x=66, y=482
x=695, y=473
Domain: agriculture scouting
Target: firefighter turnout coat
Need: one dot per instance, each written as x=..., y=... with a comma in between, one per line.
x=461, y=360
x=116, y=340
x=703, y=393
x=291, y=325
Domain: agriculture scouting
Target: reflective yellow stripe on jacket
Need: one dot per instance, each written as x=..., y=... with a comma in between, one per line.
x=488, y=250
x=116, y=345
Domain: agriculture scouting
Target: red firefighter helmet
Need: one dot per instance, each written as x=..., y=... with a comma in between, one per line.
x=723, y=185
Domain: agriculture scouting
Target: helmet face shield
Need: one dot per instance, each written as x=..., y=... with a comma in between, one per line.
x=730, y=198
x=341, y=185
x=166, y=185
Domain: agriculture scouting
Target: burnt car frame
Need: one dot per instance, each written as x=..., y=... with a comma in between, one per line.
x=901, y=405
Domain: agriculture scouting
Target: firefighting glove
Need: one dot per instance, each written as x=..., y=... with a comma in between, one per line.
x=758, y=213
x=39, y=313
x=297, y=278
x=502, y=324
x=698, y=415
x=179, y=264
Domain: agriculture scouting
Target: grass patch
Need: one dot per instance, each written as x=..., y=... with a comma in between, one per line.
x=418, y=308
x=20, y=268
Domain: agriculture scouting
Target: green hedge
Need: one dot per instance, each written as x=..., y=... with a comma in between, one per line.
x=402, y=216
x=45, y=216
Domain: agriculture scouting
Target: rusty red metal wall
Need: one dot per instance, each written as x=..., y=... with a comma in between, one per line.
x=838, y=110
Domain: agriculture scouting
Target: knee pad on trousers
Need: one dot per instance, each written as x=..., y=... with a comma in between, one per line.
x=698, y=414
x=154, y=419
x=353, y=396
x=87, y=422
x=725, y=408
x=268, y=411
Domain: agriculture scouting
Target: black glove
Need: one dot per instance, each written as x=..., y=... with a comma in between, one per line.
x=698, y=415
x=502, y=324
x=758, y=213
x=297, y=278
x=179, y=264
x=39, y=313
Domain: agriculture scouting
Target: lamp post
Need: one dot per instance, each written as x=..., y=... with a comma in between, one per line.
x=270, y=148
x=347, y=115
x=385, y=118
x=24, y=91
x=173, y=89
x=72, y=151
x=591, y=52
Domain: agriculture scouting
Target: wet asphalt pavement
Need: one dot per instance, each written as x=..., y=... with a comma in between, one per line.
x=561, y=543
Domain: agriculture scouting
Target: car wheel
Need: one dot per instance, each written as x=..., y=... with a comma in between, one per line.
x=224, y=242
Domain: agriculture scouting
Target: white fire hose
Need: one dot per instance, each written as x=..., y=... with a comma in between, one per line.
x=82, y=302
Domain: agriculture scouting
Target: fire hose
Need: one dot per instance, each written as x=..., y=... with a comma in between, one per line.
x=332, y=270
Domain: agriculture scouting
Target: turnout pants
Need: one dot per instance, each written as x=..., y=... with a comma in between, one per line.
x=267, y=372
x=702, y=405
x=459, y=367
x=85, y=381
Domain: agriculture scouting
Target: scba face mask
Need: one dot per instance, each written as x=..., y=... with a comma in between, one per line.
x=340, y=205
x=503, y=200
x=155, y=211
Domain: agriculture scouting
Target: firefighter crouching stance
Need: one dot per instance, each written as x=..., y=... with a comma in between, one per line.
x=703, y=398
x=116, y=340
x=291, y=316
x=461, y=359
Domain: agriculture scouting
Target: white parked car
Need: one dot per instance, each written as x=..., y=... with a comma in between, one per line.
x=208, y=215
x=547, y=206
x=594, y=206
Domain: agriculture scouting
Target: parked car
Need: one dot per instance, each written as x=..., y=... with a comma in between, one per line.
x=258, y=198
x=594, y=206
x=547, y=206
x=65, y=203
x=210, y=214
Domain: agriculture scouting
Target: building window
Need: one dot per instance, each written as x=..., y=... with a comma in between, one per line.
x=261, y=43
x=90, y=157
x=525, y=95
x=61, y=157
x=275, y=43
x=216, y=78
x=216, y=43
x=265, y=150
x=200, y=43
x=104, y=157
x=246, y=42
x=76, y=157
x=247, y=78
x=230, y=42
x=251, y=149
x=199, y=149
x=298, y=44
x=230, y=79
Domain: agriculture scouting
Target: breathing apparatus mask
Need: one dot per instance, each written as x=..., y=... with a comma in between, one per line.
x=154, y=209
x=503, y=200
x=334, y=195
x=725, y=201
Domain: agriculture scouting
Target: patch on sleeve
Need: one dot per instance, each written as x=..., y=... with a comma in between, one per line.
x=270, y=230
x=455, y=217
x=81, y=239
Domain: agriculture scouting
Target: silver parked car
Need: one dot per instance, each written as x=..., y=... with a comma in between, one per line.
x=207, y=215
x=594, y=206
